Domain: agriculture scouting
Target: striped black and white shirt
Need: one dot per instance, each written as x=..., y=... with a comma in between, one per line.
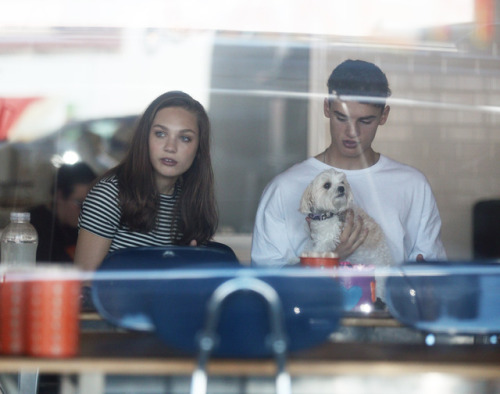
x=101, y=214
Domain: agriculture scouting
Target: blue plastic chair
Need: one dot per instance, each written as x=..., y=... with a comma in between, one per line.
x=120, y=290
x=168, y=289
x=459, y=297
x=311, y=308
x=202, y=301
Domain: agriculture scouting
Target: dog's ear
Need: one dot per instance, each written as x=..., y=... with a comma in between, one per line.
x=307, y=202
x=350, y=200
x=349, y=196
x=348, y=190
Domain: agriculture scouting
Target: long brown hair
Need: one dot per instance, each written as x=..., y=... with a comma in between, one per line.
x=139, y=197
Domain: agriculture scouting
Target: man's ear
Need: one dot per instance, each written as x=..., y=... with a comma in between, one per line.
x=385, y=115
x=326, y=107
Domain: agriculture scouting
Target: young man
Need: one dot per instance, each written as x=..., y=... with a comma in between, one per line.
x=57, y=222
x=397, y=196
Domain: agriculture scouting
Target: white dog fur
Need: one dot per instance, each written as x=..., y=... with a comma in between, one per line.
x=326, y=201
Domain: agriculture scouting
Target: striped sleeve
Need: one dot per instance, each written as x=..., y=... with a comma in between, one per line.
x=101, y=211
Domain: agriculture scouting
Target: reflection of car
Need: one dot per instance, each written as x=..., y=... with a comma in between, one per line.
x=99, y=142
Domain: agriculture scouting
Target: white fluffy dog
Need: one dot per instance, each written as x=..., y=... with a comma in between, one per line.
x=326, y=201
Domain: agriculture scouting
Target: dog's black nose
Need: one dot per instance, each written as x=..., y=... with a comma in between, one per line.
x=341, y=189
x=327, y=185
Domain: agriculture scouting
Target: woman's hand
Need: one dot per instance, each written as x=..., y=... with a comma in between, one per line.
x=352, y=236
x=193, y=243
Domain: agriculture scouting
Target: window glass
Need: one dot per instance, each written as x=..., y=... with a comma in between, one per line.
x=73, y=80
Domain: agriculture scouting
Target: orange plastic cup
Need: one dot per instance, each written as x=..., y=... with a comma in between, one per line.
x=53, y=307
x=12, y=314
x=317, y=260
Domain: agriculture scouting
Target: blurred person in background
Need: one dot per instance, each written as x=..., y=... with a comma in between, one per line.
x=57, y=221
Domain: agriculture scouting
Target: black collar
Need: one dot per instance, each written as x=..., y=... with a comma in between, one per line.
x=322, y=216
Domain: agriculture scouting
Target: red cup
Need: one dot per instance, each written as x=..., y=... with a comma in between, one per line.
x=12, y=313
x=53, y=307
x=323, y=260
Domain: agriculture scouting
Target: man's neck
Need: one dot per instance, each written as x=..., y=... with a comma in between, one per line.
x=365, y=160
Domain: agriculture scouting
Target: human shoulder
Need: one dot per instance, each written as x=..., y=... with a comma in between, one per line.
x=39, y=210
x=401, y=171
x=105, y=189
x=299, y=173
x=286, y=188
x=39, y=215
x=101, y=205
x=109, y=179
x=107, y=182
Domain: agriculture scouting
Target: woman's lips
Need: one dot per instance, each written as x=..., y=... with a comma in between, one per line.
x=168, y=162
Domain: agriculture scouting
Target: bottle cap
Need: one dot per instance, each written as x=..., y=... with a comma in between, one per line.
x=19, y=216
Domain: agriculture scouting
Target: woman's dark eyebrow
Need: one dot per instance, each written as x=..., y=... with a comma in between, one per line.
x=166, y=128
x=187, y=131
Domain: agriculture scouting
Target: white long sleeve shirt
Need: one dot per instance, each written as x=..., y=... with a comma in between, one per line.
x=396, y=195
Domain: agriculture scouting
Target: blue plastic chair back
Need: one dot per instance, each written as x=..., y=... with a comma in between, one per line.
x=120, y=290
x=311, y=308
x=447, y=297
x=167, y=290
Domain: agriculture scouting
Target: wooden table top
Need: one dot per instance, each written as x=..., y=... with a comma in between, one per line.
x=144, y=353
x=374, y=319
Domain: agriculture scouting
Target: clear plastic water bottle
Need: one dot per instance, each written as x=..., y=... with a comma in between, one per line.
x=19, y=241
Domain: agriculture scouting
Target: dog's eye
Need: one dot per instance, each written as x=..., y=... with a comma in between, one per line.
x=327, y=185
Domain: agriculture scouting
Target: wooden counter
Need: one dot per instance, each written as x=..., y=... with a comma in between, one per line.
x=381, y=319
x=144, y=354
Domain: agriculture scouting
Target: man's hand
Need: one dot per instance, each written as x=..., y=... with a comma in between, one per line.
x=353, y=235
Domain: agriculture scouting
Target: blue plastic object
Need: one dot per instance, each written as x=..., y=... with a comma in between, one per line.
x=168, y=289
x=120, y=289
x=312, y=307
x=447, y=297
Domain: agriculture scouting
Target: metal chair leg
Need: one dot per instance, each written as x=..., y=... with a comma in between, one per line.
x=28, y=382
x=208, y=338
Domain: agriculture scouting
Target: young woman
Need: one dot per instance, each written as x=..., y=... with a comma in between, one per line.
x=162, y=193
